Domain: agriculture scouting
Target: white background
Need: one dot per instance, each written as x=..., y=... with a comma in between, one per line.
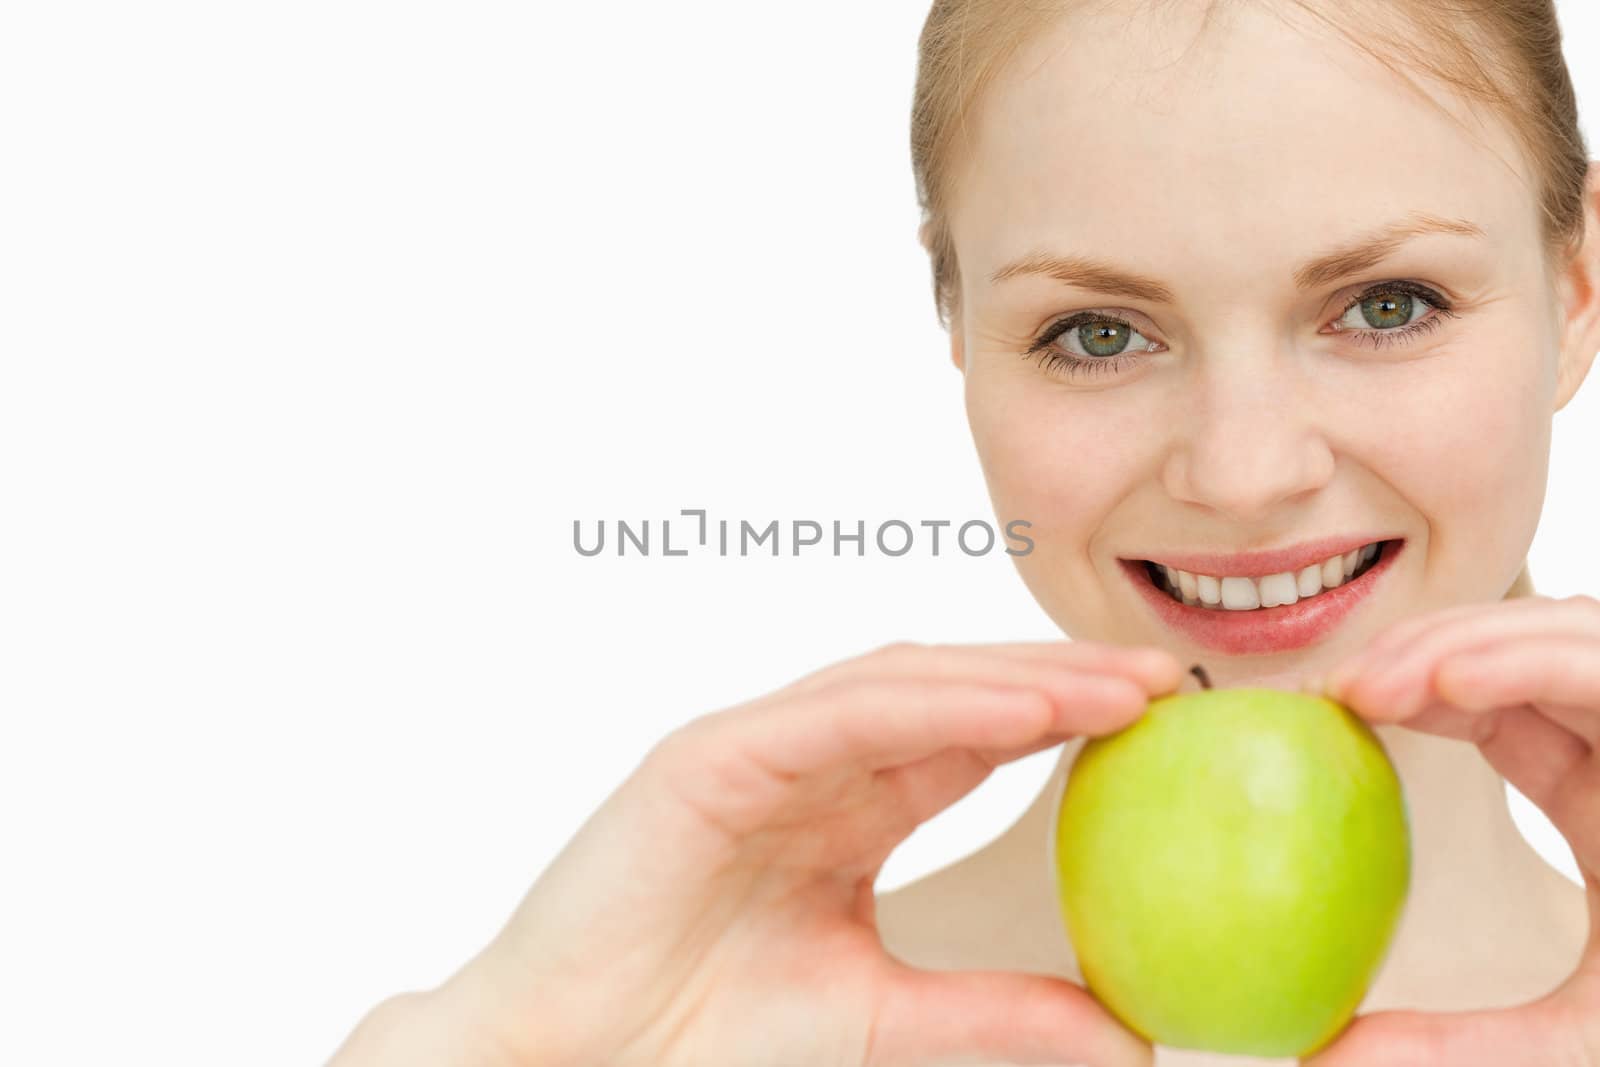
x=321, y=323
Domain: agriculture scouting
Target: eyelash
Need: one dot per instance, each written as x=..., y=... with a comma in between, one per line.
x=1070, y=365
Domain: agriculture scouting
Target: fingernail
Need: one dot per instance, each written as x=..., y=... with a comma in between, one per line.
x=1162, y=664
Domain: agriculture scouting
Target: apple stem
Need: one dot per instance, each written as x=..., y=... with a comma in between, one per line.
x=1200, y=673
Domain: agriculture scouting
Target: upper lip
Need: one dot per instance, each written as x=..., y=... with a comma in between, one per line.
x=1267, y=561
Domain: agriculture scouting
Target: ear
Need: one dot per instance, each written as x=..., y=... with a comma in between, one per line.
x=1579, y=287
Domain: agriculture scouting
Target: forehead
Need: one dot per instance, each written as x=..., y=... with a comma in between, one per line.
x=1268, y=132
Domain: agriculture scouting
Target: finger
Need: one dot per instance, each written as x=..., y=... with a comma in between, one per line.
x=738, y=766
x=1538, y=1033
x=1559, y=674
x=1389, y=673
x=884, y=723
x=928, y=786
x=1041, y=668
x=735, y=770
x=995, y=758
x=1553, y=769
x=997, y=1016
x=1395, y=637
x=1466, y=686
x=1407, y=632
x=1391, y=686
x=1155, y=669
x=1392, y=644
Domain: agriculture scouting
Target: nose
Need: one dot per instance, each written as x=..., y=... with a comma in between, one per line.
x=1248, y=441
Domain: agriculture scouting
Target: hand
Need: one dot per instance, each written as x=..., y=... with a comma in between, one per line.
x=718, y=908
x=1521, y=680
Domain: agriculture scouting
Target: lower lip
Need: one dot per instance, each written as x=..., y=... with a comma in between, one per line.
x=1263, y=630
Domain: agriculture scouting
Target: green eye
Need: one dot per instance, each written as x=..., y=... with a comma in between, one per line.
x=1393, y=313
x=1104, y=337
x=1104, y=344
x=1098, y=336
x=1389, y=306
x=1386, y=310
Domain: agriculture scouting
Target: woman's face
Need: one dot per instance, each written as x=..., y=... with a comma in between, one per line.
x=1243, y=396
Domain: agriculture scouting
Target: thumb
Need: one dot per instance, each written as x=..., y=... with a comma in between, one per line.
x=932, y=1017
x=1532, y=1034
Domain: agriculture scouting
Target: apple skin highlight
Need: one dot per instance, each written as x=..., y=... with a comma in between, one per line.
x=1232, y=867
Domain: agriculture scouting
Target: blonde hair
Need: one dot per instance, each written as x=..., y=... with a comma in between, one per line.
x=1503, y=53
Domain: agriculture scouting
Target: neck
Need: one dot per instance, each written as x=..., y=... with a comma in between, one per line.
x=1480, y=893
x=1466, y=849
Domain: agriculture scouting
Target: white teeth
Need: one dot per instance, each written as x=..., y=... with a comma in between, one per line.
x=1310, y=581
x=1240, y=594
x=1278, y=590
x=1270, y=591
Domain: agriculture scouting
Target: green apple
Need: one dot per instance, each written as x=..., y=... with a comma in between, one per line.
x=1232, y=867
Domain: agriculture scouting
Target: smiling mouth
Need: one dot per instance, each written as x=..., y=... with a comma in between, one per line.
x=1243, y=594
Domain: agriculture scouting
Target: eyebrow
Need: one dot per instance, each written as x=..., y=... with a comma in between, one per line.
x=1098, y=276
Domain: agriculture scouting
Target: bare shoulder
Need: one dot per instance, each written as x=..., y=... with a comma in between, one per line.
x=962, y=918
x=918, y=927
x=954, y=920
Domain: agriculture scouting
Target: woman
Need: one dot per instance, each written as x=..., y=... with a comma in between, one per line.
x=1236, y=290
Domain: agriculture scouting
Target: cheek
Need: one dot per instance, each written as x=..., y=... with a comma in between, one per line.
x=1063, y=460
x=1464, y=436
x=1060, y=459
